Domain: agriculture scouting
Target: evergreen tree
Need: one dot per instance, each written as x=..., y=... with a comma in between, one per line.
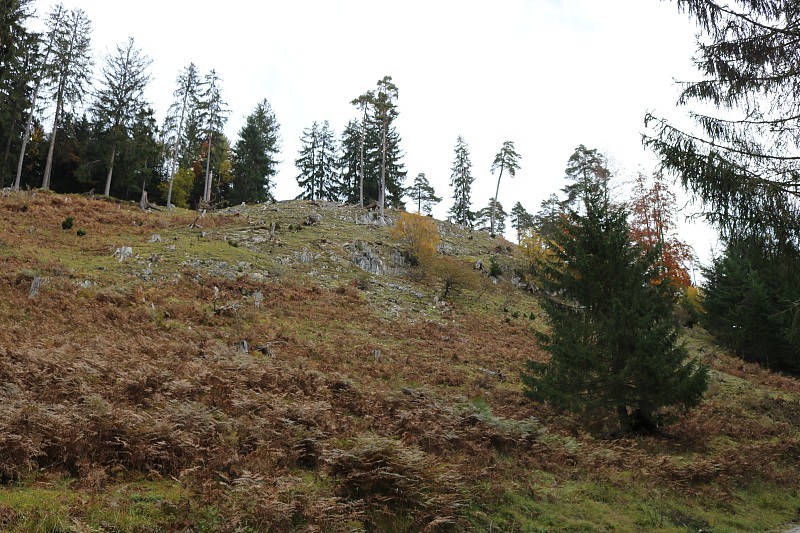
x=493, y=213
x=423, y=194
x=520, y=220
x=350, y=169
x=744, y=161
x=461, y=181
x=181, y=126
x=385, y=112
x=121, y=98
x=306, y=162
x=545, y=222
x=213, y=115
x=507, y=159
x=587, y=169
x=750, y=302
x=318, y=164
x=70, y=67
x=613, y=341
x=18, y=64
x=363, y=102
x=255, y=162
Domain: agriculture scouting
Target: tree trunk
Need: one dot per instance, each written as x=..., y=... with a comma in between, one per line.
x=363, y=142
x=624, y=419
x=110, y=169
x=382, y=194
x=494, y=204
x=48, y=168
x=207, y=189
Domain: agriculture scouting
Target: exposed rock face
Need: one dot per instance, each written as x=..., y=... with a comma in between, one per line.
x=365, y=258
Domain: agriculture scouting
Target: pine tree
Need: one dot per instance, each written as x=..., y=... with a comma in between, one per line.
x=423, y=194
x=613, y=342
x=586, y=169
x=363, y=102
x=385, y=111
x=255, y=160
x=121, y=98
x=493, y=213
x=69, y=69
x=306, y=162
x=507, y=159
x=520, y=220
x=461, y=181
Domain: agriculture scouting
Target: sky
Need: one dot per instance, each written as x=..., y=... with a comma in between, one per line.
x=548, y=75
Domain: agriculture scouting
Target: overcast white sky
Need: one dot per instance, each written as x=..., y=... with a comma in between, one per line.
x=546, y=74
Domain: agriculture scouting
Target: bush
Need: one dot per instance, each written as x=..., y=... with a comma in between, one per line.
x=454, y=275
x=67, y=223
x=494, y=267
x=81, y=232
x=419, y=235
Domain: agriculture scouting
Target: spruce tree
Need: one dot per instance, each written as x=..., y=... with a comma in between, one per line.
x=69, y=69
x=742, y=157
x=613, y=342
x=520, y=220
x=121, y=97
x=318, y=164
x=350, y=175
x=461, y=181
x=255, y=162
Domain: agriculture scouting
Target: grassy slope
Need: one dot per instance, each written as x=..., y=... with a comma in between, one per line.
x=125, y=405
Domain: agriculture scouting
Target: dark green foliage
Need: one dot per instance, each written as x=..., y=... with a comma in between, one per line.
x=742, y=161
x=507, y=159
x=483, y=218
x=120, y=99
x=494, y=267
x=81, y=232
x=613, y=340
x=318, y=164
x=520, y=220
x=255, y=162
x=751, y=295
x=18, y=59
x=461, y=181
x=67, y=223
x=350, y=162
x=423, y=194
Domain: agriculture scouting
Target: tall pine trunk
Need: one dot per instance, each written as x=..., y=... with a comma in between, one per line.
x=494, y=204
x=51, y=150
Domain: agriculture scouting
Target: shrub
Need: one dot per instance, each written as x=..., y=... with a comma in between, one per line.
x=67, y=223
x=454, y=275
x=419, y=235
x=81, y=232
x=494, y=267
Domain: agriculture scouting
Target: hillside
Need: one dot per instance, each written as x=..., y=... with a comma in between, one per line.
x=281, y=368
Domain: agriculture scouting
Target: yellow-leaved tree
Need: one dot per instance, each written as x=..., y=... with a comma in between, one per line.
x=419, y=236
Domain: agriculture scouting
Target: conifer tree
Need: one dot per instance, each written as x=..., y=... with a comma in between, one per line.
x=743, y=160
x=520, y=220
x=350, y=164
x=613, y=341
x=318, y=164
x=214, y=113
x=181, y=124
x=507, y=159
x=493, y=213
x=423, y=194
x=121, y=97
x=461, y=181
x=254, y=158
x=69, y=69
x=385, y=111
